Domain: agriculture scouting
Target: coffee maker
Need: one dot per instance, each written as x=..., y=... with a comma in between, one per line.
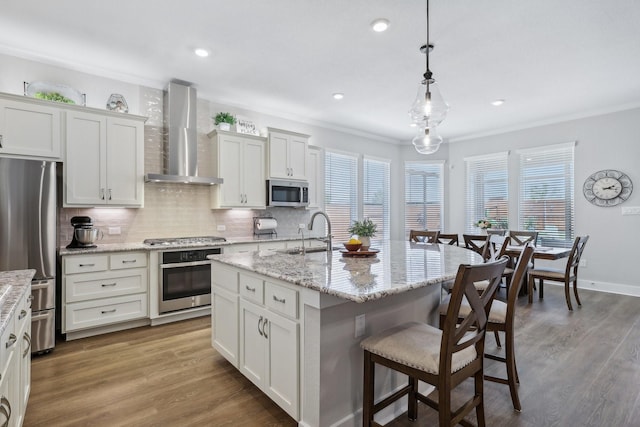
x=82, y=233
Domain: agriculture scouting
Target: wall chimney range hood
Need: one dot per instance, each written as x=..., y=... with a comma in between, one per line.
x=181, y=148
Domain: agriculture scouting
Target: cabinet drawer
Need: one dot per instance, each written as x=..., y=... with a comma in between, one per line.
x=105, y=311
x=252, y=288
x=225, y=277
x=240, y=248
x=8, y=343
x=83, y=287
x=85, y=263
x=127, y=260
x=271, y=246
x=282, y=300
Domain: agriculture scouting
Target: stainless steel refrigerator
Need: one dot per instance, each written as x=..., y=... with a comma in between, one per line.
x=28, y=237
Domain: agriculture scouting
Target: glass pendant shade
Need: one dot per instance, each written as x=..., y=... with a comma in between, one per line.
x=428, y=109
x=427, y=141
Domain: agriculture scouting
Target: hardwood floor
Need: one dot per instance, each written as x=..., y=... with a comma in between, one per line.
x=579, y=368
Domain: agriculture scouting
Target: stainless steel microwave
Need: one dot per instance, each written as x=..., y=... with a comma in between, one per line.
x=293, y=194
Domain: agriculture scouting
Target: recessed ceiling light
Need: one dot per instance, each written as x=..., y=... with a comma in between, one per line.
x=338, y=95
x=413, y=125
x=203, y=53
x=380, y=25
x=498, y=102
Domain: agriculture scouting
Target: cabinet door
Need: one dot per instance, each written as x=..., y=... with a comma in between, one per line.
x=278, y=156
x=315, y=168
x=25, y=364
x=253, y=343
x=282, y=363
x=254, y=182
x=224, y=324
x=125, y=162
x=29, y=130
x=84, y=170
x=230, y=167
x=298, y=157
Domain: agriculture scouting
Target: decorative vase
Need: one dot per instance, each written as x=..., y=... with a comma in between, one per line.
x=366, y=242
x=224, y=126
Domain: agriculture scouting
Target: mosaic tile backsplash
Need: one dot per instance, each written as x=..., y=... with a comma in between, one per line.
x=176, y=210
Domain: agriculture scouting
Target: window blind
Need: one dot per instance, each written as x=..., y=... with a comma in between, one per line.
x=546, y=194
x=424, y=200
x=487, y=185
x=341, y=192
x=375, y=200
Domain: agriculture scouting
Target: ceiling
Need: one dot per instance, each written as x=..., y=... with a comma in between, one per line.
x=550, y=60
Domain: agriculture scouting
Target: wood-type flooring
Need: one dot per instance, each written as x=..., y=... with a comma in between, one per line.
x=579, y=368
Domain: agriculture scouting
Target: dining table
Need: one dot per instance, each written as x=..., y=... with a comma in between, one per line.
x=540, y=252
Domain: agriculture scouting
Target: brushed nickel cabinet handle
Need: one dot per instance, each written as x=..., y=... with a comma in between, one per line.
x=129, y=261
x=113, y=310
x=5, y=409
x=102, y=193
x=86, y=265
x=104, y=285
x=260, y=330
x=250, y=289
x=1, y=142
x=22, y=314
x=264, y=325
x=12, y=340
x=276, y=299
x=27, y=350
x=109, y=194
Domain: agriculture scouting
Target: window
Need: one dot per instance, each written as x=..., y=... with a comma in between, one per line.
x=375, y=200
x=546, y=201
x=424, y=201
x=346, y=200
x=487, y=191
x=341, y=192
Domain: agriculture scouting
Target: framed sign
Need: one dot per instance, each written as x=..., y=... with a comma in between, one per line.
x=246, y=126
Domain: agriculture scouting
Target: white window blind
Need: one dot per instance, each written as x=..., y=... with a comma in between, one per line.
x=341, y=192
x=546, y=201
x=375, y=201
x=424, y=198
x=487, y=185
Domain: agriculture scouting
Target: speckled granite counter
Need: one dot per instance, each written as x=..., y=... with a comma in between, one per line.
x=398, y=267
x=13, y=285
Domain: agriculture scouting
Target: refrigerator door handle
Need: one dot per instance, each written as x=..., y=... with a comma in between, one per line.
x=40, y=200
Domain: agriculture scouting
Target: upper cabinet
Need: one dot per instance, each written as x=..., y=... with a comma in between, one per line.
x=240, y=161
x=315, y=175
x=287, y=154
x=104, y=161
x=29, y=127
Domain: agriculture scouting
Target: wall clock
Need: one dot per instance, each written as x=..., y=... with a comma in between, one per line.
x=607, y=187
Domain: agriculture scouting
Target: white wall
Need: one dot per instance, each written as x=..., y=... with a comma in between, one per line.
x=603, y=142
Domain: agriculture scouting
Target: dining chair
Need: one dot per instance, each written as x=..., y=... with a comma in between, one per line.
x=497, y=247
x=567, y=276
x=423, y=236
x=496, y=231
x=501, y=319
x=520, y=237
x=477, y=243
x=443, y=358
x=448, y=238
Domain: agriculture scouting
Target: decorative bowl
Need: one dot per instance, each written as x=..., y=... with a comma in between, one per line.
x=352, y=247
x=54, y=92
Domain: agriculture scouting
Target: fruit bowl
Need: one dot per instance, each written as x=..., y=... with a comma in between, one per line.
x=352, y=247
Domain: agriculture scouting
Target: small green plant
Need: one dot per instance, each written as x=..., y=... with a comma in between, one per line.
x=364, y=228
x=224, y=118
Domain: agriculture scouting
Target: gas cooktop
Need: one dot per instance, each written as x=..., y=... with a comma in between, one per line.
x=180, y=241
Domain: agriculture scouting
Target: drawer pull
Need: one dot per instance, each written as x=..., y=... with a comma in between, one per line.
x=129, y=261
x=264, y=325
x=104, y=285
x=12, y=340
x=27, y=350
x=250, y=289
x=113, y=310
x=87, y=265
x=276, y=299
x=5, y=409
x=22, y=314
x=260, y=330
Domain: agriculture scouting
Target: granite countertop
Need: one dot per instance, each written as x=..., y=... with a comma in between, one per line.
x=398, y=267
x=13, y=285
x=126, y=247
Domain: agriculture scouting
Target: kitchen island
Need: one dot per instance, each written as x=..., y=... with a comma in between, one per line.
x=292, y=323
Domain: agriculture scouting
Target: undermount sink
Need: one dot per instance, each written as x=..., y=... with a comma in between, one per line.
x=295, y=251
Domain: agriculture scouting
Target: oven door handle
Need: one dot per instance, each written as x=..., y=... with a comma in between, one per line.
x=185, y=264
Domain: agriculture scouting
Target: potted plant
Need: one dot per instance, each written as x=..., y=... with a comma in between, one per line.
x=224, y=120
x=364, y=229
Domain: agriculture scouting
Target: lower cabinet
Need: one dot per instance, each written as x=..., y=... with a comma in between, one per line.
x=103, y=289
x=255, y=327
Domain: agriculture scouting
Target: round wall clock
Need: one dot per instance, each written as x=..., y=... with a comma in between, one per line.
x=607, y=188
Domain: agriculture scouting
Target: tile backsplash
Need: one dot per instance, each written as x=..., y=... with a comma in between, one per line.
x=176, y=210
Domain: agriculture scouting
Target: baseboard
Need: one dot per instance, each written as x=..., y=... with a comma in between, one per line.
x=613, y=288
x=177, y=316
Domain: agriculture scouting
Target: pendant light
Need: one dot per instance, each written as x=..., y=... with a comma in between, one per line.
x=429, y=108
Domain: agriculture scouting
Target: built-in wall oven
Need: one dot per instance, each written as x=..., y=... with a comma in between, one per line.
x=185, y=279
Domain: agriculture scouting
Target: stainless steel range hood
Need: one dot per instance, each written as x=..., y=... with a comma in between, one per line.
x=181, y=153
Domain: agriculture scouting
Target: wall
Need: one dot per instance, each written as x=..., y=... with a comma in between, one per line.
x=607, y=141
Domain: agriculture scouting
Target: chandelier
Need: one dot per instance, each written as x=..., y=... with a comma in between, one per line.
x=429, y=108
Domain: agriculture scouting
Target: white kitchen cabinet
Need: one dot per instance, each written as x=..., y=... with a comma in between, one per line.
x=29, y=128
x=103, y=289
x=224, y=307
x=104, y=160
x=287, y=154
x=240, y=161
x=315, y=176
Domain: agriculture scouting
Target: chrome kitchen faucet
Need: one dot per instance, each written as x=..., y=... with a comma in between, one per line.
x=326, y=239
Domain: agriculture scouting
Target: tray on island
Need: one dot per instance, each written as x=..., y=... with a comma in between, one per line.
x=370, y=252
